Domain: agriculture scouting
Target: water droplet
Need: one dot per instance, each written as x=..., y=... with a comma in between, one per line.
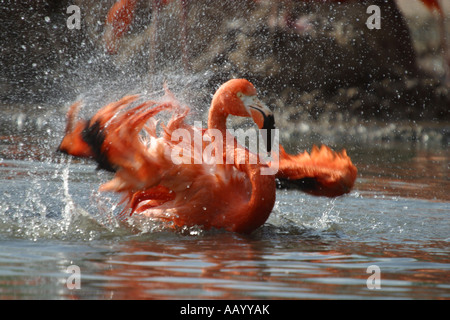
x=47, y=19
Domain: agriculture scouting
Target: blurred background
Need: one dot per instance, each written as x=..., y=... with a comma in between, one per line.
x=314, y=62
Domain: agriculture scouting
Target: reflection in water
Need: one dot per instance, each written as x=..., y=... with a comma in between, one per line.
x=425, y=175
x=202, y=267
x=226, y=266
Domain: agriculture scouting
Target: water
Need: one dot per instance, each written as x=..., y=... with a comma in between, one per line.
x=52, y=218
x=396, y=218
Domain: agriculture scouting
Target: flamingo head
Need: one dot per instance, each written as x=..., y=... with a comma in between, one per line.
x=238, y=97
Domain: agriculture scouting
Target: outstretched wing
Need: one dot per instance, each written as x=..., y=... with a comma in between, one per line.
x=323, y=172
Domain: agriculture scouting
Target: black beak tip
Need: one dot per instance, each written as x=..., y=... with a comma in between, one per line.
x=269, y=125
x=269, y=122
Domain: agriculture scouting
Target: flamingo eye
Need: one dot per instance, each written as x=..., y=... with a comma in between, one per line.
x=239, y=94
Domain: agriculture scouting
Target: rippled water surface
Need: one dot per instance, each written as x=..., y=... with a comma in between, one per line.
x=396, y=218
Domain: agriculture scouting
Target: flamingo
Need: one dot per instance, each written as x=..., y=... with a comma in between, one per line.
x=121, y=15
x=323, y=172
x=235, y=197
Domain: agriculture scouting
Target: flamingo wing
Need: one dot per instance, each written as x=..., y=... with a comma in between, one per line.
x=322, y=172
x=73, y=143
x=122, y=139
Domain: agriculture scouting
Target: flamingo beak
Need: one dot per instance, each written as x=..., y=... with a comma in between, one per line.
x=263, y=118
x=267, y=127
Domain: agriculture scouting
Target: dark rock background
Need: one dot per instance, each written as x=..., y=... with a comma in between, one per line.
x=330, y=71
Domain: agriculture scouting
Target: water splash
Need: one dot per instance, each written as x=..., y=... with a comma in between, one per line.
x=330, y=220
x=69, y=206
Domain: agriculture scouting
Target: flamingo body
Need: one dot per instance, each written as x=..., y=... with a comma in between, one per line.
x=235, y=197
x=212, y=193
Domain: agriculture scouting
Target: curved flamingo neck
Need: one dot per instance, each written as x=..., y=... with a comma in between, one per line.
x=217, y=117
x=261, y=203
x=258, y=208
